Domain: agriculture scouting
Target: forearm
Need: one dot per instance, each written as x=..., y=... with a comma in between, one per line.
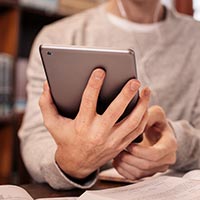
x=41, y=164
x=188, y=139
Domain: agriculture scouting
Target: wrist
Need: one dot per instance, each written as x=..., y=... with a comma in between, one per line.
x=71, y=166
x=80, y=181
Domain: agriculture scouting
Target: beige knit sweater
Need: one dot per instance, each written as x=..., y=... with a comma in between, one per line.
x=172, y=70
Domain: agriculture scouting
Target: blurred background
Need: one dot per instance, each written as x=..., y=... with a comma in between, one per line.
x=20, y=21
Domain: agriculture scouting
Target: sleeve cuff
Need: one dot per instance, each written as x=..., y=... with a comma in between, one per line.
x=83, y=183
x=58, y=180
x=185, y=141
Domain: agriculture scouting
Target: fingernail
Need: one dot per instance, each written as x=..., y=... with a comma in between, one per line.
x=147, y=92
x=98, y=74
x=135, y=84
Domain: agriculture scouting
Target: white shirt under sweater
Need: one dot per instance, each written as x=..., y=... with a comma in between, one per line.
x=171, y=71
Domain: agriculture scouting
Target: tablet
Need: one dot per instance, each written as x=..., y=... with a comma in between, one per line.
x=68, y=69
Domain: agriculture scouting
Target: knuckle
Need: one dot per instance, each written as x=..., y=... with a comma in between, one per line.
x=131, y=149
x=173, y=159
x=159, y=110
x=138, y=174
x=104, y=124
x=155, y=156
x=113, y=145
x=113, y=114
x=164, y=169
x=140, y=129
x=124, y=157
x=119, y=147
x=146, y=165
x=120, y=171
x=79, y=127
x=96, y=140
x=88, y=99
x=132, y=124
x=126, y=93
x=132, y=177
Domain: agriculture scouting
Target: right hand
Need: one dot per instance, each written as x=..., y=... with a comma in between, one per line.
x=90, y=140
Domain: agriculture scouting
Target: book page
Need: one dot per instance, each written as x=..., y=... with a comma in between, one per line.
x=11, y=192
x=112, y=175
x=60, y=198
x=157, y=188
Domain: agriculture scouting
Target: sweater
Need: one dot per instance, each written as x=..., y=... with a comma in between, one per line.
x=167, y=61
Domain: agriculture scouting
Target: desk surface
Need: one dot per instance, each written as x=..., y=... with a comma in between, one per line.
x=44, y=191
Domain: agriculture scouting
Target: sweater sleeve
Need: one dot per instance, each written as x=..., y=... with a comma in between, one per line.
x=188, y=139
x=37, y=146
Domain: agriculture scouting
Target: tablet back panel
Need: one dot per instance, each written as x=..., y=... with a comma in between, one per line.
x=69, y=68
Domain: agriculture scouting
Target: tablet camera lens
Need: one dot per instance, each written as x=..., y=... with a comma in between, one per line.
x=49, y=53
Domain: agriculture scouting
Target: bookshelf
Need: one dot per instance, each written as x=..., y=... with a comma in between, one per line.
x=9, y=23
x=16, y=38
x=19, y=26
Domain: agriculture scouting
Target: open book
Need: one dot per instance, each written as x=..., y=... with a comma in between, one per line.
x=156, y=188
x=11, y=192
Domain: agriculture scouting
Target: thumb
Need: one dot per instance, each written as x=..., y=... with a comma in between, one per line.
x=156, y=117
x=48, y=109
x=155, y=125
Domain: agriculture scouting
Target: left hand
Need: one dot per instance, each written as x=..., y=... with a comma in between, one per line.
x=155, y=154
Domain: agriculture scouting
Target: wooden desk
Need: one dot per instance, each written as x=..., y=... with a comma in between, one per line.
x=44, y=191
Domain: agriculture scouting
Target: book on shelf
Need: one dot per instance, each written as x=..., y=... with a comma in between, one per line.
x=64, y=7
x=157, y=188
x=20, y=86
x=70, y=7
x=46, y=5
x=6, y=84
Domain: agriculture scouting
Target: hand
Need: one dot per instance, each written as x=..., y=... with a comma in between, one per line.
x=155, y=154
x=90, y=140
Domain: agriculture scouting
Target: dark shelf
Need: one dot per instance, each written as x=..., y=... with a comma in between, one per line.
x=6, y=119
x=15, y=117
x=28, y=31
x=40, y=12
x=8, y=3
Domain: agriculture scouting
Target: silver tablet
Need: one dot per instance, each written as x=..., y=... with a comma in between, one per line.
x=69, y=68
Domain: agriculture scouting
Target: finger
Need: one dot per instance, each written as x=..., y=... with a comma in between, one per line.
x=48, y=109
x=134, y=119
x=90, y=95
x=138, y=131
x=169, y=159
x=163, y=147
x=139, y=163
x=131, y=172
x=144, y=164
x=123, y=172
x=119, y=104
x=156, y=117
x=138, y=173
